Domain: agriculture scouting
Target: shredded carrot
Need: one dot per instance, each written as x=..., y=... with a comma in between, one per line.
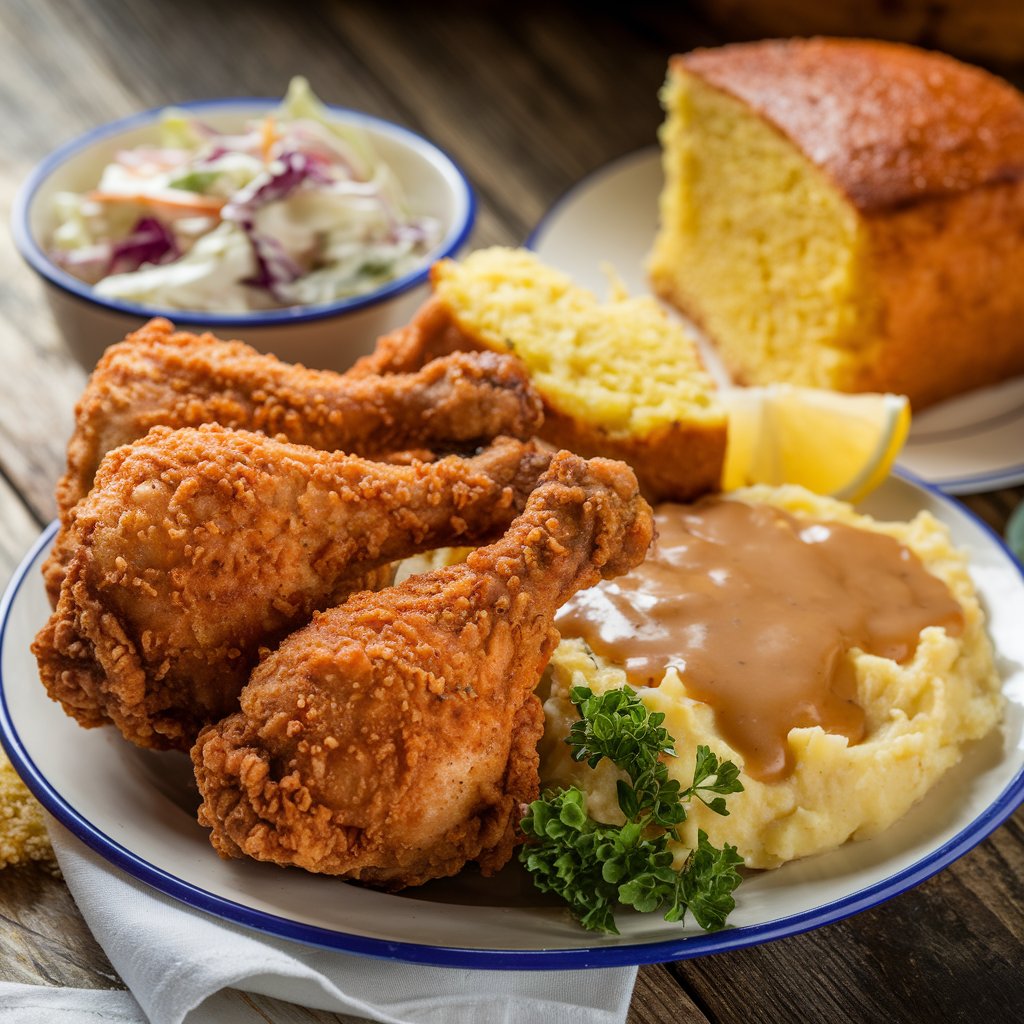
x=268, y=137
x=209, y=205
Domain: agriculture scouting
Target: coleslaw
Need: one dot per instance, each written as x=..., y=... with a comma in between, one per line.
x=296, y=209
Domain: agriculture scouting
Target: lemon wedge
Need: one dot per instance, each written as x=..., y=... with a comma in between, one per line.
x=831, y=443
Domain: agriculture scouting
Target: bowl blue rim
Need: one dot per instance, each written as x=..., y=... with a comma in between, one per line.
x=35, y=256
x=618, y=955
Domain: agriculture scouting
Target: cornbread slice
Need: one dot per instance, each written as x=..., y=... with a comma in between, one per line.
x=618, y=379
x=845, y=214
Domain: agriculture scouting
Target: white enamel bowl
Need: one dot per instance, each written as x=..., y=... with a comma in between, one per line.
x=329, y=336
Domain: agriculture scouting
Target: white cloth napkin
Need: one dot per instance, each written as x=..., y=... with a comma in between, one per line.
x=182, y=966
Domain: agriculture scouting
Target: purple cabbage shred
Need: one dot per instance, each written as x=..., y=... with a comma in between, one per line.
x=273, y=265
x=148, y=242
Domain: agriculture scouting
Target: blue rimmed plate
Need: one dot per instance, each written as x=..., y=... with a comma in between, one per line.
x=137, y=809
x=965, y=445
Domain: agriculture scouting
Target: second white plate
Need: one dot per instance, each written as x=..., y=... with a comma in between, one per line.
x=965, y=445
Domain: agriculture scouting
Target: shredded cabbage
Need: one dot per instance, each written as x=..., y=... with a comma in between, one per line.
x=295, y=209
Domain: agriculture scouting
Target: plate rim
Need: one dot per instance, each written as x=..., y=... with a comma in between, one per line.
x=971, y=483
x=554, y=958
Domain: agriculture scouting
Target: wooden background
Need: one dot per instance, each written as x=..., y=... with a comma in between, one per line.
x=528, y=98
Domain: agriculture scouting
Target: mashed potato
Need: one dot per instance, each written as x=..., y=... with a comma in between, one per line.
x=918, y=716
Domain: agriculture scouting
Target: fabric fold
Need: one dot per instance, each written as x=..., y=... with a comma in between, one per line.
x=181, y=965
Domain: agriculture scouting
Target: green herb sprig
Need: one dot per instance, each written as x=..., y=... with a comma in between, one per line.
x=596, y=867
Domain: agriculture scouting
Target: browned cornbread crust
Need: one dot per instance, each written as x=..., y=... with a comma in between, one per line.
x=680, y=462
x=893, y=125
x=929, y=152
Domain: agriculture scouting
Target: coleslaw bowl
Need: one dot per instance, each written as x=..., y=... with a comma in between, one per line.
x=330, y=335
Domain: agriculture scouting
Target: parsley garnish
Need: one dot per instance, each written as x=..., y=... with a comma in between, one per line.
x=595, y=866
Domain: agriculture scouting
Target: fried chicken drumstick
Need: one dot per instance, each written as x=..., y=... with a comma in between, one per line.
x=157, y=377
x=196, y=547
x=431, y=334
x=394, y=738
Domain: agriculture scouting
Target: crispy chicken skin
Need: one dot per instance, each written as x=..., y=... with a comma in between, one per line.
x=157, y=377
x=394, y=738
x=431, y=334
x=196, y=547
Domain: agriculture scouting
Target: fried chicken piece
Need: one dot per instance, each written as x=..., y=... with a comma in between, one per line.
x=394, y=738
x=156, y=377
x=159, y=377
x=196, y=547
x=431, y=334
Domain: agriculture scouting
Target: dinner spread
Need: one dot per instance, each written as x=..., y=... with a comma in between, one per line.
x=223, y=581
x=807, y=645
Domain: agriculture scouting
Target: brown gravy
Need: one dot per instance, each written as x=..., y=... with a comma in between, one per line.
x=756, y=609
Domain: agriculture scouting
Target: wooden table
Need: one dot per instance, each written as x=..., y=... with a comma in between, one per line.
x=527, y=100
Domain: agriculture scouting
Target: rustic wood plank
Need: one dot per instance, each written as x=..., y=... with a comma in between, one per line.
x=43, y=938
x=39, y=389
x=44, y=82
x=995, y=876
x=20, y=530
x=659, y=997
x=508, y=99
x=995, y=507
x=939, y=952
x=38, y=393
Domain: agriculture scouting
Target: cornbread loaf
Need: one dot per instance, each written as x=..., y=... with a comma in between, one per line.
x=618, y=379
x=845, y=214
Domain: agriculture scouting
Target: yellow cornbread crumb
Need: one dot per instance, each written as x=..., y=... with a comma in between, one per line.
x=23, y=835
x=622, y=364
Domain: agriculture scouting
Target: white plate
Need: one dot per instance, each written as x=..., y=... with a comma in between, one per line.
x=964, y=445
x=136, y=808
